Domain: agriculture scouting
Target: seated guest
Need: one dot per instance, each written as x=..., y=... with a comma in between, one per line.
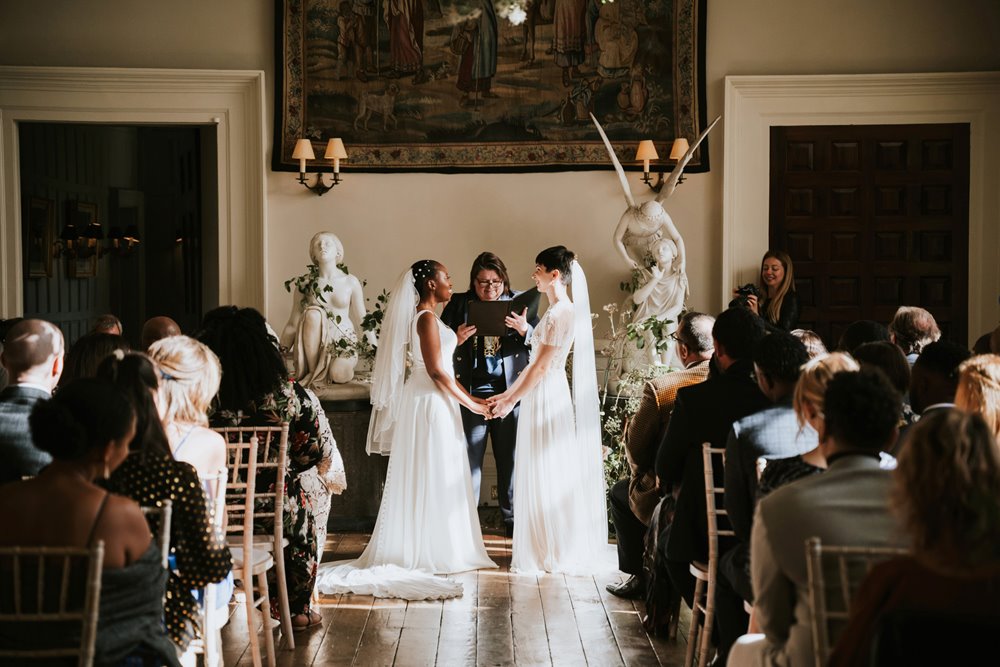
x=5, y=326
x=979, y=389
x=256, y=391
x=108, y=324
x=988, y=343
x=704, y=413
x=812, y=341
x=848, y=504
x=86, y=428
x=771, y=433
x=934, y=378
x=149, y=476
x=158, y=328
x=33, y=358
x=912, y=329
x=632, y=500
x=860, y=332
x=946, y=493
x=889, y=359
x=87, y=353
x=189, y=380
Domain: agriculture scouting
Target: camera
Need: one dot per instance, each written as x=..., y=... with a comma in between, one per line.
x=740, y=300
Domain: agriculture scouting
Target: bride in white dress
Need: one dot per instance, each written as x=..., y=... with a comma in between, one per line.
x=427, y=521
x=561, y=523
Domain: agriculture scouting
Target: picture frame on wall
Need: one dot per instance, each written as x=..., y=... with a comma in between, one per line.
x=488, y=85
x=40, y=235
x=82, y=214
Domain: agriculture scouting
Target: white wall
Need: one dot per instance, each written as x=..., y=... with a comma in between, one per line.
x=386, y=221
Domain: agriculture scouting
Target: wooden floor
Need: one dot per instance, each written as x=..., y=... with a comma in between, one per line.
x=502, y=619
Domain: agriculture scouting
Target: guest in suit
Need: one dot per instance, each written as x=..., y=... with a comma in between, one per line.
x=846, y=505
x=634, y=499
x=704, y=413
x=946, y=492
x=487, y=366
x=33, y=358
x=771, y=433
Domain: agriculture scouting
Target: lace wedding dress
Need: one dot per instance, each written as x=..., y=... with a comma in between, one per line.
x=427, y=521
x=560, y=520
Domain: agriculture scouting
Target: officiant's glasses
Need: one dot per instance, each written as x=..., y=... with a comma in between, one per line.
x=486, y=284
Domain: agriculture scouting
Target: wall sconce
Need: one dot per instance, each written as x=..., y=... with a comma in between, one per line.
x=123, y=243
x=334, y=151
x=647, y=152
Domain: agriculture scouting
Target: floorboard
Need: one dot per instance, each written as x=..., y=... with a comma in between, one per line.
x=503, y=618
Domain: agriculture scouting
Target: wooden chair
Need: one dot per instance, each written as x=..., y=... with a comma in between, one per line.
x=210, y=643
x=28, y=576
x=705, y=573
x=252, y=449
x=847, y=566
x=161, y=514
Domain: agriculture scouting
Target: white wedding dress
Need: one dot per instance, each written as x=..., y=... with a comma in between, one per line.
x=427, y=521
x=560, y=520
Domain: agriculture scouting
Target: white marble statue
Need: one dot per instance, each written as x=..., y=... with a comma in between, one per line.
x=641, y=226
x=327, y=309
x=661, y=296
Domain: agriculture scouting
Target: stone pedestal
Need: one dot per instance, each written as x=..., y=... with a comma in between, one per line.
x=348, y=408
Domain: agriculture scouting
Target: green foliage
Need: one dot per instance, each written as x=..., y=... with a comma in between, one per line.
x=634, y=331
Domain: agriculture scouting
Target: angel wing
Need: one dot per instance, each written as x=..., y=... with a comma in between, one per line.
x=675, y=175
x=618, y=165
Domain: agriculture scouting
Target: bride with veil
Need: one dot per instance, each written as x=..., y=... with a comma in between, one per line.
x=561, y=523
x=427, y=522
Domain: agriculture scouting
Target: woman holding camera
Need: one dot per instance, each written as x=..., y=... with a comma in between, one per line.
x=780, y=304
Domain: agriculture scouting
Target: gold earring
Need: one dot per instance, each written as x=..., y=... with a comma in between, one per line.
x=107, y=472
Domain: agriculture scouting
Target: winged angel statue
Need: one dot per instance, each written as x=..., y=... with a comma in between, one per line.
x=648, y=241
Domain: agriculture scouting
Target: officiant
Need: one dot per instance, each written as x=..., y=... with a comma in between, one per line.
x=487, y=365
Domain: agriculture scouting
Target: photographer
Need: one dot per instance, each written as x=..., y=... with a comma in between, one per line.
x=774, y=299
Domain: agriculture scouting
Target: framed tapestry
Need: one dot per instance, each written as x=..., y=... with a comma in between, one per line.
x=488, y=85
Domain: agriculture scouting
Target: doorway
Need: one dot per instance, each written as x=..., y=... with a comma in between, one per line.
x=138, y=200
x=873, y=217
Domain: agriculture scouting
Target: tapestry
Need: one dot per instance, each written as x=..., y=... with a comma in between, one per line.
x=488, y=85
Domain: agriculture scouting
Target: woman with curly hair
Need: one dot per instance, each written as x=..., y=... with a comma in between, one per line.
x=256, y=391
x=946, y=494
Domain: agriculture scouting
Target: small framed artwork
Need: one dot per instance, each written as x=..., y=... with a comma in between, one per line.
x=41, y=229
x=82, y=214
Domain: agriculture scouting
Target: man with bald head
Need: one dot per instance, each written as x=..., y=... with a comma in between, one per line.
x=33, y=358
x=157, y=328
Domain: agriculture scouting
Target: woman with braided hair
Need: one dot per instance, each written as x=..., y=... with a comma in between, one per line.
x=427, y=521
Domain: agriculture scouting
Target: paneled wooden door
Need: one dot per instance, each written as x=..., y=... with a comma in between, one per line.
x=874, y=217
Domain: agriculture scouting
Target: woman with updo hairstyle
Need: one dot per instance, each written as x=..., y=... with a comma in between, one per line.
x=946, y=494
x=979, y=389
x=149, y=476
x=559, y=492
x=86, y=427
x=255, y=390
x=189, y=380
x=780, y=306
x=427, y=521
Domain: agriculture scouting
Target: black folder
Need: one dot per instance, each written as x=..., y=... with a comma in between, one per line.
x=488, y=316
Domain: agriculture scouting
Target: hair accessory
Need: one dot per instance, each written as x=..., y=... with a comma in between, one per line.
x=166, y=376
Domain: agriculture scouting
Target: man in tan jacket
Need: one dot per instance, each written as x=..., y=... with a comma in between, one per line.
x=633, y=499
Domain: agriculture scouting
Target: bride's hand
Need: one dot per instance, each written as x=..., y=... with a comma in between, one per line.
x=480, y=407
x=500, y=405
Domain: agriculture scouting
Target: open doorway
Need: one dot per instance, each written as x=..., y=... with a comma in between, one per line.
x=119, y=219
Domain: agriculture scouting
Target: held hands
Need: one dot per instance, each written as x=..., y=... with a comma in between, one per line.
x=518, y=321
x=465, y=332
x=480, y=407
x=499, y=405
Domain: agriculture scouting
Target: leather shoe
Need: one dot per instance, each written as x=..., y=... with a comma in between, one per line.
x=632, y=588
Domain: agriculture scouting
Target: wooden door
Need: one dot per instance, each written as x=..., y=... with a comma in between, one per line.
x=873, y=217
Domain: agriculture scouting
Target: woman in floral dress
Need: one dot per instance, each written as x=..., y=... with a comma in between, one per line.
x=256, y=391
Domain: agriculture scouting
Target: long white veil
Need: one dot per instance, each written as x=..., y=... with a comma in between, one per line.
x=588, y=415
x=390, y=363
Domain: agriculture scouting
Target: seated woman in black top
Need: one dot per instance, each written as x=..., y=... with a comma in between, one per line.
x=780, y=307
